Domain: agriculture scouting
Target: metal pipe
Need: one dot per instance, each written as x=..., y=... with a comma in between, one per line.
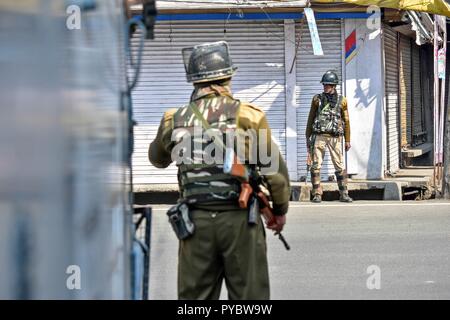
x=435, y=101
x=442, y=115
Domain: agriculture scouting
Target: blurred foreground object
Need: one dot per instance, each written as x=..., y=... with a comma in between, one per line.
x=65, y=219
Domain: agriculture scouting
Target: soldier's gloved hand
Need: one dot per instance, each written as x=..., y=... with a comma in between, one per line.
x=278, y=226
x=347, y=146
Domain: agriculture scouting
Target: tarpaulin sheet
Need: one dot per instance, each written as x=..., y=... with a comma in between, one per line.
x=439, y=7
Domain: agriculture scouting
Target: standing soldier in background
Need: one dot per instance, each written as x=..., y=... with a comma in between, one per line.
x=224, y=245
x=328, y=121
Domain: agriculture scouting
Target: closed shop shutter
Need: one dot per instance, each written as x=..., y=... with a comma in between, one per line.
x=310, y=69
x=418, y=134
x=257, y=48
x=405, y=89
x=427, y=81
x=391, y=93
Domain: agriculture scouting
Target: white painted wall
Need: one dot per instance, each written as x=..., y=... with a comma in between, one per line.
x=364, y=88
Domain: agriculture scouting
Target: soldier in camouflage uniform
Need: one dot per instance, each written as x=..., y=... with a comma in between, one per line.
x=328, y=121
x=224, y=245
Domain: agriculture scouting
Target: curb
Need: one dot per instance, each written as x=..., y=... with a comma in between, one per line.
x=376, y=190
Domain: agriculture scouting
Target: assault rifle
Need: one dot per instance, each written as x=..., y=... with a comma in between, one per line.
x=251, y=187
x=310, y=152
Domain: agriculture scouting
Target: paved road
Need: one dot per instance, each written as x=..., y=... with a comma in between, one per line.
x=333, y=245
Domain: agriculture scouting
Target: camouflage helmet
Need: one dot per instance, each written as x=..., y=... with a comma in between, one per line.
x=208, y=62
x=330, y=77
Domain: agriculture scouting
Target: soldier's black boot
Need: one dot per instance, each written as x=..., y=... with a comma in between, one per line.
x=317, y=198
x=345, y=197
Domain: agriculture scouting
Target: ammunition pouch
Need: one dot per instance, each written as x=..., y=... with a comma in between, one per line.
x=180, y=219
x=328, y=119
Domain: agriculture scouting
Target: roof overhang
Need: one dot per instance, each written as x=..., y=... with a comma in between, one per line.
x=247, y=6
x=190, y=6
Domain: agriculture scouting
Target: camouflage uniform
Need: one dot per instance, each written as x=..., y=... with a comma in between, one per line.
x=328, y=121
x=224, y=245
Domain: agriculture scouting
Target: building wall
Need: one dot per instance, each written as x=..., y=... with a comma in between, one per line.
x=364, y=88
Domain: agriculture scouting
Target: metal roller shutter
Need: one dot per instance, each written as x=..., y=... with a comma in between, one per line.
x=257, y=48
x=405, y=89
x=417, y=105
x=310, y=69
x=391, y=88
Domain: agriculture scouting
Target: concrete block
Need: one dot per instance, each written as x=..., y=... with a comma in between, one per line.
x=295, y=193
x=417, y=151
x=393, y=191
x=305, y=193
